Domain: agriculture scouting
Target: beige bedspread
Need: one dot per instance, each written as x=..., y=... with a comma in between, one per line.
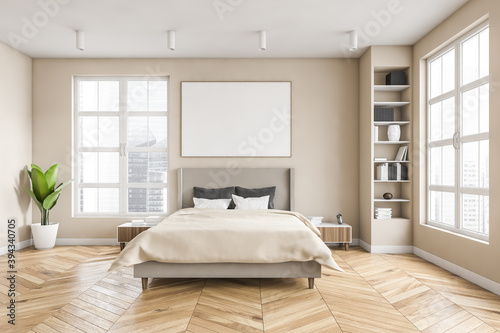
x=233, y=236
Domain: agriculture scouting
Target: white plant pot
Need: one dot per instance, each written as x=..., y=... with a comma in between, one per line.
x=393, y=132
x=44, y=236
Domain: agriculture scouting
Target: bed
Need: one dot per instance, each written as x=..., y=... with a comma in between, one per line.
x=176, y=263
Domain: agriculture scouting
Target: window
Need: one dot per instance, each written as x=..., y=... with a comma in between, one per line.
x=121, y=146
x=458, y=135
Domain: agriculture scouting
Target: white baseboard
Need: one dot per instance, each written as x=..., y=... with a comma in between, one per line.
x=481, y=281
x=19, y=246
x=86, y=241
x=386, y=248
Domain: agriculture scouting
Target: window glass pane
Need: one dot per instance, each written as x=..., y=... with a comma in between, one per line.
x=137, y=131
x=137, y=200
x=484, y=169
x=109, y=131
x=448, y=165
x=448, y=118
x=485, y=210
x=88, y=131
x=484, y=108
x=108, y=95
x=470, y=212
x=88, y=167
x=449, y=71
x=157, y=96
x=137, y=96
x=470, y=60
x=109, y=199
x=470, y=112
x=137, y=167
x=88, y=96
x=109, y=168
x=157, y=167
x=436, y=117
x=88, y=200
x=470, y=164
x=448, y=208
x=158, y=132
x=436, y=166
x=484, y=52
x=157, y=200
x=435, y=77
x=436, y=204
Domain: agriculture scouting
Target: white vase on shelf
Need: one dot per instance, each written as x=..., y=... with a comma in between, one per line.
x=393, y=132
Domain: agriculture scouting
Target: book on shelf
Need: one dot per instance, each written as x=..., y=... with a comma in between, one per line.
x=380, y=159
x=383, y=171
x=375, y=133
x=383, y=213
x=402, y=153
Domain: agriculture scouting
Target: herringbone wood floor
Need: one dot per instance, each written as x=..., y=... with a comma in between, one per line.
x=68, y=289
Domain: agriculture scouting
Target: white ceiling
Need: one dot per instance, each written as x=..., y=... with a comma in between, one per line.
x=215, y=28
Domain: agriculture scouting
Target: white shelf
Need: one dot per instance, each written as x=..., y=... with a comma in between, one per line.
x=391, y=200
x=390, y=142
x=390, y=104
x=387, y=123
x=391, y=161
x=383, y=87
x=397, y=219
x=391, y=181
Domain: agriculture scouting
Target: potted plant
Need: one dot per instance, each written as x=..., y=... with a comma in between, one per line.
x=45, y=195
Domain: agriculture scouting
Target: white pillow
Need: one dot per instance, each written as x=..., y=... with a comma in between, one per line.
x=251, y=203
x=211, y=203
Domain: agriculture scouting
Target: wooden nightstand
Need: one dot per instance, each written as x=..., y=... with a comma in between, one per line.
x=127, y=232
x=332, y=232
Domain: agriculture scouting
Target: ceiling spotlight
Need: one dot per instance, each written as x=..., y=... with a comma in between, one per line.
x=353, y=40
x=262, y=40
x=80, y=40
x=171, y=39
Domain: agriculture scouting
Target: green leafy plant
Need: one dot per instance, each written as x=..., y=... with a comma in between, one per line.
x=45, y=192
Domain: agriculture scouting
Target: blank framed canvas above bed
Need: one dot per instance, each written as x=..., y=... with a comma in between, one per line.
x=236, y=119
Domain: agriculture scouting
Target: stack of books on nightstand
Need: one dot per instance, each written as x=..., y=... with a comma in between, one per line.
x=383, y=213
x=316, y=220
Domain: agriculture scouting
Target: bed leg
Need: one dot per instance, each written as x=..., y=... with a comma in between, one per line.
x=145, y=283
x=311, y=283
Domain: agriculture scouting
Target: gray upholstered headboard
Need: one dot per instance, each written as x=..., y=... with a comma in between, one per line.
x=282, y=178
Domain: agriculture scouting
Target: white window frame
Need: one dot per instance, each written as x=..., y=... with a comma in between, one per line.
x=123, y=150
x=457, y=140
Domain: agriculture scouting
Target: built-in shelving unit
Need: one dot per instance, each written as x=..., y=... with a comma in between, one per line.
x=375, y=65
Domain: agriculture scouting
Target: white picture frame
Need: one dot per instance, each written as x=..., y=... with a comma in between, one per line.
x=236, y=119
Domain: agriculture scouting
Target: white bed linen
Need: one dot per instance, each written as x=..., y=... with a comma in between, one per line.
x=230, y=236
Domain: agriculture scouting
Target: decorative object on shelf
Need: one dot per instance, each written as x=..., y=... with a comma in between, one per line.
x=395, y=78
x=45, y=195
x=387, y=196
x=393, y=133
x=339, y=219
x=383, y=114
x=383, y=171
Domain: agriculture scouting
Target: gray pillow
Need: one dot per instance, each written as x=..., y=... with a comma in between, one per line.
x=213, y=193
x=257, y=192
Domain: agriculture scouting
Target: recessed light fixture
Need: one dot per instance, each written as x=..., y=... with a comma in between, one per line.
x=262, y=40
x=171, y=39
x=353, y=40
x=80, y=40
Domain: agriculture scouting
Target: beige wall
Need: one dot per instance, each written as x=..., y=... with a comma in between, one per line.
x=479, y=257
x=15, y=135
x=325, y=127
